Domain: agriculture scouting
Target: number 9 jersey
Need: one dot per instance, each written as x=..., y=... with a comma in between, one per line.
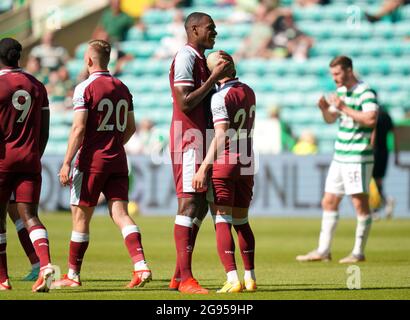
x=108, y=103
x=22, y=99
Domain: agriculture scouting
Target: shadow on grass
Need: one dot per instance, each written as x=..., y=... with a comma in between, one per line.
x=135, y=290
x=329, y=289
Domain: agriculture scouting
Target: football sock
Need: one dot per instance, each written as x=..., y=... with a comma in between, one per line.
x=132, y=239
x=73, y=274
x=195, y=229
x=26, y=243
x=362, y=233
x=141, y=265
x=225, y=242
x=3, y=258
x=246, y=242
x=249, y=274
x=232, y=276
x=182, y=237
x=329, y=223
x=78, y=245
x=39, y=238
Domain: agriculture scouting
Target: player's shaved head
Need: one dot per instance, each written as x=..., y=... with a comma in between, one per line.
x=200, y=30
x=99, y=52
x=194, y=19
x=215, y=57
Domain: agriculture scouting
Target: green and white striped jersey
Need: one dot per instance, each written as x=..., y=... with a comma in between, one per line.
x=353, y=140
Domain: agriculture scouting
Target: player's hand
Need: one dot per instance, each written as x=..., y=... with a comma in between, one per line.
x=65, y=175
x=336, y=101
x=224, y=55
x=223, y=69
x=323, y=104
x=199, y=181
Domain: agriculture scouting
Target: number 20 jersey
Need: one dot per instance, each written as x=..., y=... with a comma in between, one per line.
x=108, y=103
x=22, y=99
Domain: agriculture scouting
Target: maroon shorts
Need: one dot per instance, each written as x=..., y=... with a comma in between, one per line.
x=20, y=187
x=184, y=166
x=233, y=192
x=86, y=187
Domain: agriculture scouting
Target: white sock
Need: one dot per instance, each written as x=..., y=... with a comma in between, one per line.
x=141, y=265
x=329, y=223
x=250, y=274
x=362, y=233
x=73, y=274
x=232, y=276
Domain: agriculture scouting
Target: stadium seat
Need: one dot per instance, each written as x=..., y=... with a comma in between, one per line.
x=74, y=67
x=139, y=49
x=153, y=17
x=141, y=67
x=379, y=51
x=231, y=31
x=135, y=34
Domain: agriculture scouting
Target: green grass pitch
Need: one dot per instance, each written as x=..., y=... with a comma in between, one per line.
x=107, y=267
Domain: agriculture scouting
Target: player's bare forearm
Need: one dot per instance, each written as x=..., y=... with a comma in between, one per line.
x=216, y=147
x=210, y=157
x=74, y=142
x=188, y=100
x=329, y=117
x=220, y=139
x=76, y=136
x=367, y=119
x=44, y=133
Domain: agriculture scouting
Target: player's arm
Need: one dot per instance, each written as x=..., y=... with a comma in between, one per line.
x=44, y=131
x=74, y=142
x=45, y=123
x=130, y=128
x=187, y=97
x=367, y=117
x=328, y=116
x=216, y=148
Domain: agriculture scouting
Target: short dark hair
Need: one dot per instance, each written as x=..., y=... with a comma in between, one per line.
x=343, y=61
x=103, y=49
x=10, y=51
x=194, y=18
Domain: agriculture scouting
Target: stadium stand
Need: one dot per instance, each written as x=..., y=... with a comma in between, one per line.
x=380, y=53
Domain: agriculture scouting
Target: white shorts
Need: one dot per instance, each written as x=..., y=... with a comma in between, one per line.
x=348, y=178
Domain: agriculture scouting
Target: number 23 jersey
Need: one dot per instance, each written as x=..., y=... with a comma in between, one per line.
x=22, y=99
x=235, y=104
x=108, y=103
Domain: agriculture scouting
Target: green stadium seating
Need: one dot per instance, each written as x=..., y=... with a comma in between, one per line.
x=152, y=17
x=139, y=67
x=139, y=49
x=379, y=52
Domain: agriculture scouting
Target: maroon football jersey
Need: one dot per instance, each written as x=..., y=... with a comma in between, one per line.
x=235, y=104
x=108, y=103
x=22, y=99
x=188, y=130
